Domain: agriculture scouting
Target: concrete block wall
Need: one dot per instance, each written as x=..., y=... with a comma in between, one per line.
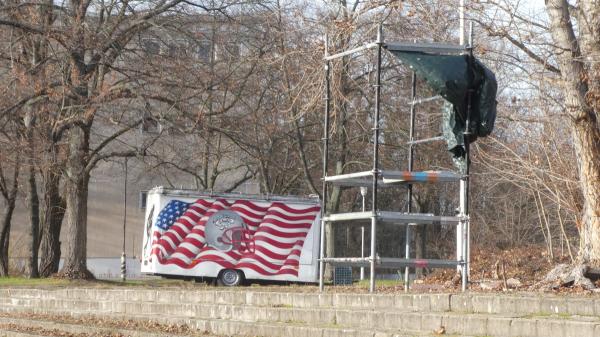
x=274, y=313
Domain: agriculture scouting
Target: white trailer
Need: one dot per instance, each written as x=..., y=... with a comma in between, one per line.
x=231, y=237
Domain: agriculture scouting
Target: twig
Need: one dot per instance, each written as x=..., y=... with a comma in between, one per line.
x=504, y=276
x=495, y=271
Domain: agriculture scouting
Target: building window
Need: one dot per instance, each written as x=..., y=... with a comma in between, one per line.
x=143, y=199
x=150, y=125
x=203, y=50
x=151, y=46
x=228, y=50
x=178, y=48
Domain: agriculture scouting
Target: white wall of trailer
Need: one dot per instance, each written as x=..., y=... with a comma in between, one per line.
x=158, y=198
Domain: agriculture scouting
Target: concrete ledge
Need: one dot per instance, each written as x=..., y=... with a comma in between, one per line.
x=343, y=314
x=436, y=302
x=6, y=333
x=229, y=320
x=77, y=329
x=219, y=327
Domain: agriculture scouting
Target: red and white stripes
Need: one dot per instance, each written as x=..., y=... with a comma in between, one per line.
x=278, y=231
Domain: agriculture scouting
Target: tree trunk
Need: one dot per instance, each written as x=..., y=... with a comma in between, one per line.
x=342, y=142
x=420, y=236
x=5, y=236
x=420, y=247
x=333, y=206
x=10, y=198
x=76, y=183
x=586, y=137
x=581, y=96
x=33, y=200
x=33, y=207
x=75, y=265
x=53, y=213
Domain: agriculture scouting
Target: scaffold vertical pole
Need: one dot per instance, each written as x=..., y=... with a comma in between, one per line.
x=123, y=255
x=461, y=22
x=459, y=230
x=465, y=186
x=376, y=159
x=363, y=194
x=411, y=136
x=462, y=232
x=325, y=166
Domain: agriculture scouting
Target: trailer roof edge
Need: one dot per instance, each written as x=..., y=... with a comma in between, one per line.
x=265, y=197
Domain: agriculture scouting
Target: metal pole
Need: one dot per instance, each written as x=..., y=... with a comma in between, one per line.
x=461, y=22
x=411, y=136
x=325, y=164
x=376, y=158
x=123, y=257
x=459, y=231
x=468, y=240
x=466, y=140
x=363, y=193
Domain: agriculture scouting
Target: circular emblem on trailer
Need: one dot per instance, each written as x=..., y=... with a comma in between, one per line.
x=223, y=229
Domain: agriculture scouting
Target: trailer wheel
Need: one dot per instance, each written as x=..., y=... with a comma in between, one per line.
x=230, y=278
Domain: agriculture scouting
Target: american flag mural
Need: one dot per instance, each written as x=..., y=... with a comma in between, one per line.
x=265, y=237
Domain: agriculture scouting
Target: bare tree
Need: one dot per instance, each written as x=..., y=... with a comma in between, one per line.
x=9, y=186
x=209, y=74
x=561, y=52
x=91, y=44
x=581, y=85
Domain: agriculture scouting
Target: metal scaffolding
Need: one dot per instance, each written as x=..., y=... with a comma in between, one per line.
x=378, y=178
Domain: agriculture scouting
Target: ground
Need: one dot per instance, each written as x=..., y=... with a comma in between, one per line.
x=528, y=265
x=489, y=268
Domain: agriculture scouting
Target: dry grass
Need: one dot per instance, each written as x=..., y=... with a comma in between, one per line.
x=59, y=282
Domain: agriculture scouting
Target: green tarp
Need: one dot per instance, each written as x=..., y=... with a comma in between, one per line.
x=450, y=77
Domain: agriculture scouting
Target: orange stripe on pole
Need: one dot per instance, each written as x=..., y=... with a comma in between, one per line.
x=421, y=263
